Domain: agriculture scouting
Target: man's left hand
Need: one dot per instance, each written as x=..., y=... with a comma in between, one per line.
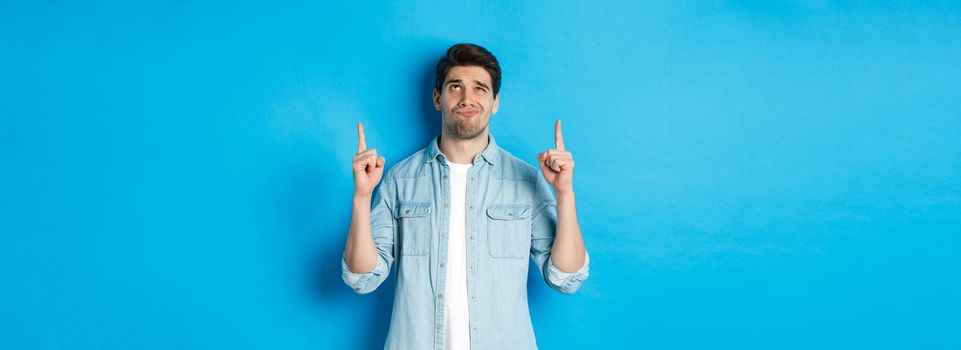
x=557, y=165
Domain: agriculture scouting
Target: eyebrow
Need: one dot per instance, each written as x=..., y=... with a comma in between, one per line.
x=461, y=81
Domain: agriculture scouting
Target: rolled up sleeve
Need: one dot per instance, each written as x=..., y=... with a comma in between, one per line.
x=568, y=282
x=364, y=283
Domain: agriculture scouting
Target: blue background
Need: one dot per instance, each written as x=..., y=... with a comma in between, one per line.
x=175, y=174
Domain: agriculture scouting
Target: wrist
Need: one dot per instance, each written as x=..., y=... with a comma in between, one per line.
x=564, y=195
x=362, y=198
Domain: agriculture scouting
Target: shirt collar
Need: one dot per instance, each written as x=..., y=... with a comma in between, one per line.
x=489, y=154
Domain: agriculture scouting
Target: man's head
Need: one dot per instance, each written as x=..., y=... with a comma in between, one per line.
x=467, y=88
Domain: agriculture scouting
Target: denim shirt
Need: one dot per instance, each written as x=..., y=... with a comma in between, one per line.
x=511, y=214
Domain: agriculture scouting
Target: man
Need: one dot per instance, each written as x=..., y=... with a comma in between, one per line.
x=460, y=218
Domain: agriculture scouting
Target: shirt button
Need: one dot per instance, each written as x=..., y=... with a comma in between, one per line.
x=473, y=178
x=440, y=296
x=471, y=207
x=471, y=236
x=445, y=176
x=441, y=264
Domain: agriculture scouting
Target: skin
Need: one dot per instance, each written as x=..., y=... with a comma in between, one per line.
x=466, y=102
x=360, y=253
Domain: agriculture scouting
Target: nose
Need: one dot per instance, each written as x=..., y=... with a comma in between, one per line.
x=464, y=100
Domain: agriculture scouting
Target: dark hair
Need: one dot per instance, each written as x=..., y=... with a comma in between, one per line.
x=465, y=54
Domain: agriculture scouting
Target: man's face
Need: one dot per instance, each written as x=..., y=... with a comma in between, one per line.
x=466, y=101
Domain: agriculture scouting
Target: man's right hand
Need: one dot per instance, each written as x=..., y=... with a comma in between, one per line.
x=368, y=167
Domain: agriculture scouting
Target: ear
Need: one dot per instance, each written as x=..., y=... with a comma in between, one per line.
x=436, y=100
x=497, y=99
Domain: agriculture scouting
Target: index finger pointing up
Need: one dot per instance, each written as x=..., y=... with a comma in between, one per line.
x=361, y=141
x=558, y=138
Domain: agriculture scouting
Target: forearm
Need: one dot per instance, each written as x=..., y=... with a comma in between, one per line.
x=360, y=253
x=568, y=251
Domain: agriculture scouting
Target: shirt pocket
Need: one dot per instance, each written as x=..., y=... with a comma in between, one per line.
x=508, y=231
x=414, y=227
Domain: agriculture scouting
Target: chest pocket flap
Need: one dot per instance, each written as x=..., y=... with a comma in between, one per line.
x=509, y=212
x=411, y=210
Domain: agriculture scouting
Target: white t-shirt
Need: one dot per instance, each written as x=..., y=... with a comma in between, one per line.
x=456, y=313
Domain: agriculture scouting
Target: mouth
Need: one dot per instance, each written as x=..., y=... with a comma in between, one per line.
x=467, y=112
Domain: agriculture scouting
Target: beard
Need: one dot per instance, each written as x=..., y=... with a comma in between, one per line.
x=466, y=128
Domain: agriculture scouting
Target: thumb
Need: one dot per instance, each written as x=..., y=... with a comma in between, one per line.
x=541, y=157
x=541, y=160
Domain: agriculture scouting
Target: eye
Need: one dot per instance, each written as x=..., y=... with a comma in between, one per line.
x=454, y=87
x=480, y=89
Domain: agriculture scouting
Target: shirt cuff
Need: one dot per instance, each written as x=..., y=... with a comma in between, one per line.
x=359, y=281
x=561, y=278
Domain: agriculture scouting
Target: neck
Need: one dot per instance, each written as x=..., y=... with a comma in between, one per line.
x=462, y=151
